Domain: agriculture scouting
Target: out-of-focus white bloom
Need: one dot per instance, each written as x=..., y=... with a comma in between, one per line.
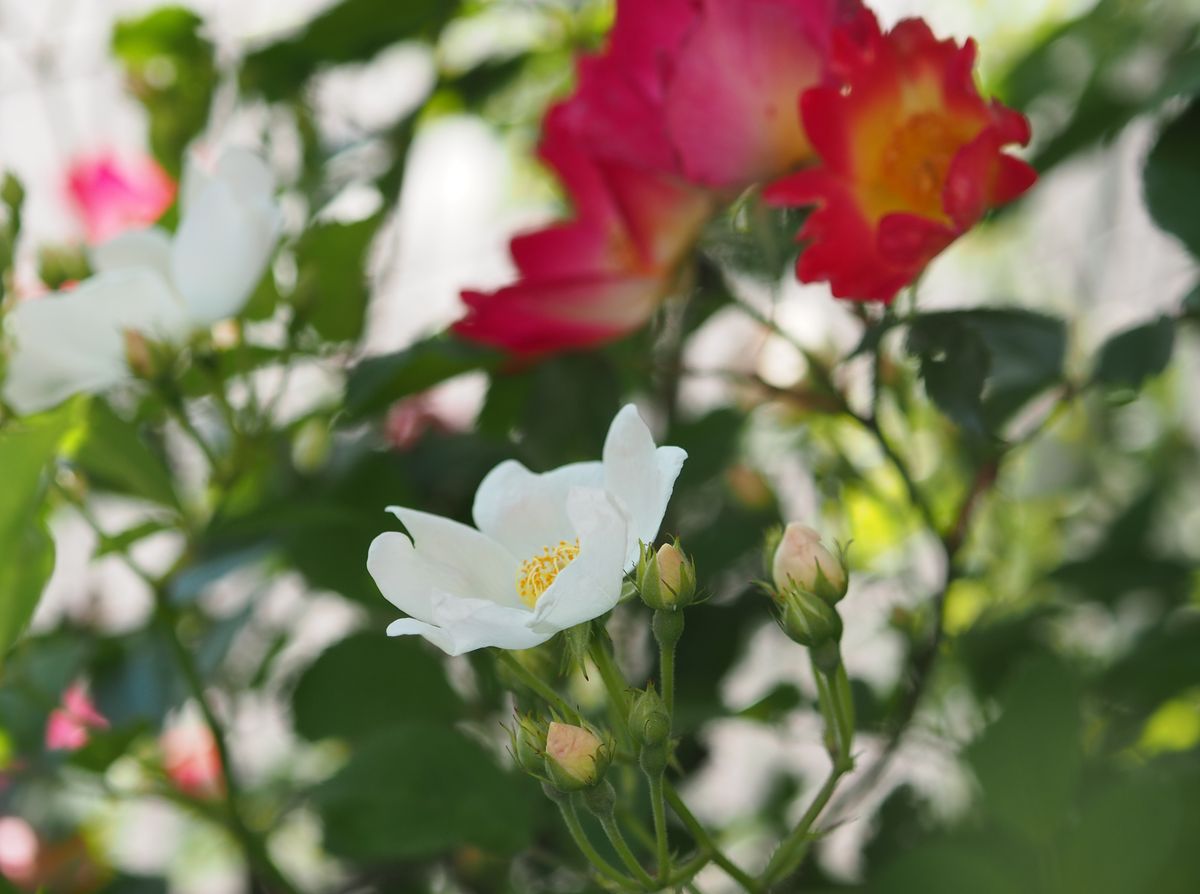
x=148, y=282
x=549, y=550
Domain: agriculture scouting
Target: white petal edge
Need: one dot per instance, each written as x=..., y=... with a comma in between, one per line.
x=527, y=511
x=220, y=252
x=73, y=342
x=639, y=476
x=464, y=625
x=591, y=584
x=444, y=557
x=135, y=248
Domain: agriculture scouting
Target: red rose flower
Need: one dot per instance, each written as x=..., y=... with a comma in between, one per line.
x=911, y=158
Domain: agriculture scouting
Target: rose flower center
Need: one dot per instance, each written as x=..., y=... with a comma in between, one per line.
x=537, y=574
x=918, y=159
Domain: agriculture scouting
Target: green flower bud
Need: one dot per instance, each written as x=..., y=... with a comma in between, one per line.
x=576, y=757
x=666, y=579
x=808, y=619
x=59, y=265
x=649, y=721
x=527, y=741
x=801, y=561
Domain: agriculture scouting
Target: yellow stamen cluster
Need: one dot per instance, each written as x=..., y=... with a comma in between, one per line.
x=537, y=574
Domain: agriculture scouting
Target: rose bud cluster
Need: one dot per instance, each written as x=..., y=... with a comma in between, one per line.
x=808, y=582
x=566, y=757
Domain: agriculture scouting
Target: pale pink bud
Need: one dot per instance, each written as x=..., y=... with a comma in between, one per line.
x=800, y=561
x=576, y=751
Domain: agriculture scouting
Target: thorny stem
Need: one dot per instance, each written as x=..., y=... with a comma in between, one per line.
x=705, y=841
x=659, y=808
x=536, y=684
x=609, y=823
x=571, y=819
x=614, y=685
x=792, y=849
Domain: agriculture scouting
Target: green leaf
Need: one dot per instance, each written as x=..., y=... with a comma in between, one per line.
x=350, y=31
x=1029, y=761
x=26, y=563
x=1172, y=179
x=377, y=382
x=981, y=366
x=956, y=866
x=421, y=790
x=115, y=457
x=170, y=68
x=369, y=682
x=1123, y=836
x=1131, y=357
x=27, y=450
x=332, y=289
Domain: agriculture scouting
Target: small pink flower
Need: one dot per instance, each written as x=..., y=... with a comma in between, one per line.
x=19, y=848
x=113, y=194
x=70, y=724
x=192, y=761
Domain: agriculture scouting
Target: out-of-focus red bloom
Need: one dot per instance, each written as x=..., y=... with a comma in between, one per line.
x=191, y=760
x=112, y=194
x=31, y=864
x=689, y=101
x=731, y=101
x=911, y=158
x=69, y=725
x=600, y=275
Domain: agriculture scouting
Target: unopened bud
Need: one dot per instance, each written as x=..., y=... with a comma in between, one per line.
x=61, y=265
x=808, y=619
x=139, y=355
x=527, y=740
x=649, y=721
x=801, y=561
x=666, y=579
x=576, y=758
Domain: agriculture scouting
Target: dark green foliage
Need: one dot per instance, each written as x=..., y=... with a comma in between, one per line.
x=367, y=683
x=1172, y=178
x=349, y=31
x=981, y=366
x=421, y=790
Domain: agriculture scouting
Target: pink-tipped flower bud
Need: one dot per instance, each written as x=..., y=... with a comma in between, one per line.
x=576, y=758
x=666, y=579
x=802, y=562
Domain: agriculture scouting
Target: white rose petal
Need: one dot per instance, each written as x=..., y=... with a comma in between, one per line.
x=71, y=342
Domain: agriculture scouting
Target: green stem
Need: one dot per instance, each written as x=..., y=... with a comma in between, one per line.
x=614, y=684
x=613, y=831
x=571, y=818
x=537, y=685
x=791, y=850
x=705, y=841
x=666, y=670
x=254, y=848
x=658, y=805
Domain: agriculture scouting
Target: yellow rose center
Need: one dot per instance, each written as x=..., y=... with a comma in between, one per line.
x=918, y=159
x=537, y=574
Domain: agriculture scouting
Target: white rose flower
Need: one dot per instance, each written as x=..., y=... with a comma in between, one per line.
x=148, y=282
x=549, y=551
